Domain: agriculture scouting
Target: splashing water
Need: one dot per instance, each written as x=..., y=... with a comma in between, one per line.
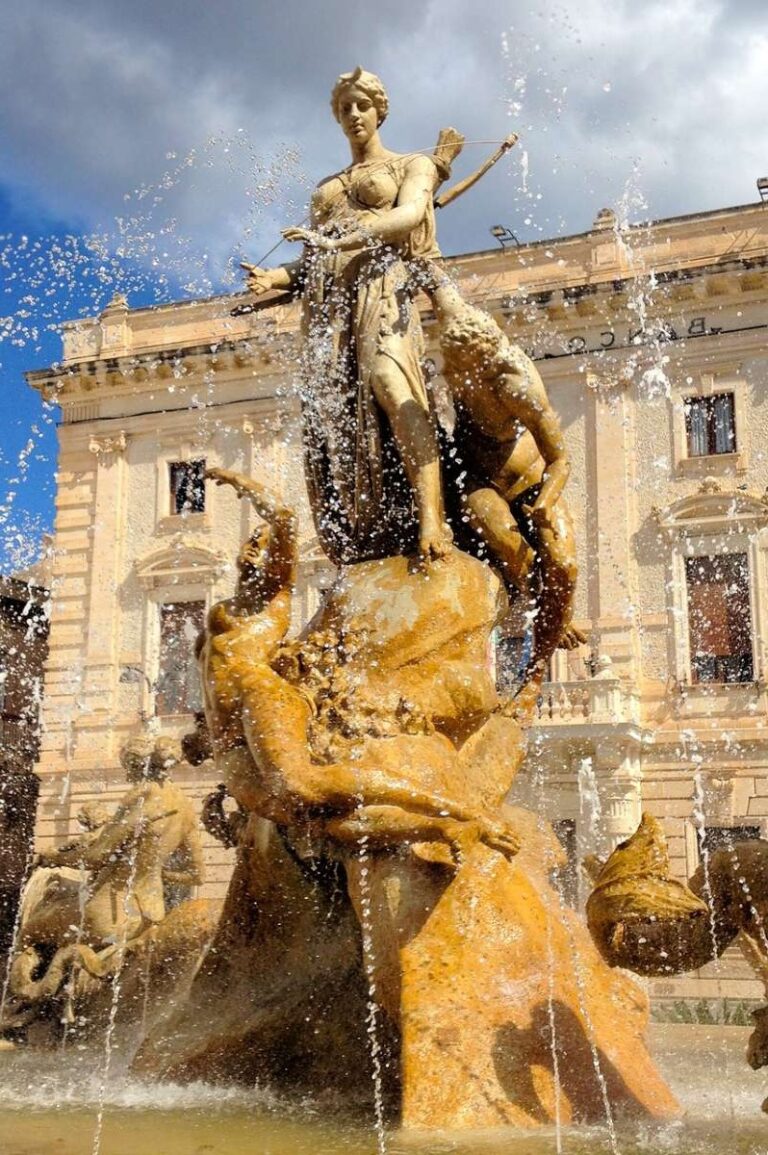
x=590, y=805
x=699, y=819
x=120, y=946
x=373, y=1012
x=63, y=278
x=591, y=817
x=539, y=791
x=146, y=256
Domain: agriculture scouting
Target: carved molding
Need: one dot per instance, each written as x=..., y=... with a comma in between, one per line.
x=259, y=354
x=184, y=560
x=108, y=447
x=712, y=510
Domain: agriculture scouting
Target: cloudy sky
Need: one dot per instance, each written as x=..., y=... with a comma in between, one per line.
x=147, y=143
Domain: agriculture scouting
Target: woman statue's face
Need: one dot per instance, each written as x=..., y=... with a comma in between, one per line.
x=357, y=115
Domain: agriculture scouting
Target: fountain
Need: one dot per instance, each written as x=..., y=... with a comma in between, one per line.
x=392, y=942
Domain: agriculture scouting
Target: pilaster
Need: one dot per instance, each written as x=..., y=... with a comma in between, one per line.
x=619, y=780
x=611, y=518
x=102, y=639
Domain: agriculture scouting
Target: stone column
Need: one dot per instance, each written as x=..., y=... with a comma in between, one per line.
x=618, y=774
x=102, y=642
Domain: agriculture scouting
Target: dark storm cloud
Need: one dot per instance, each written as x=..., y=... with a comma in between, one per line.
x=616, y=103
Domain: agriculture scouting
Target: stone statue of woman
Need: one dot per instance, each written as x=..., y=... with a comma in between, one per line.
x=366, y=412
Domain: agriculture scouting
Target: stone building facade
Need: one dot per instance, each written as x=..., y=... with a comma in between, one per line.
x=653, y=343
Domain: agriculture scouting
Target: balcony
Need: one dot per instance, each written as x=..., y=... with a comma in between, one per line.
x=587, y=708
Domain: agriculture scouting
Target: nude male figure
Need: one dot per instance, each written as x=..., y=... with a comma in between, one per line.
x=259, y=722
x=512, y=448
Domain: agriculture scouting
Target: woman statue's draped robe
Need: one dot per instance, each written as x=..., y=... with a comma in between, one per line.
x=357, y=306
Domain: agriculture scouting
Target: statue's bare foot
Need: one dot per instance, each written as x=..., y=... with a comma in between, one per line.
x=522, y=706
x=571, y=638
x=435, y=541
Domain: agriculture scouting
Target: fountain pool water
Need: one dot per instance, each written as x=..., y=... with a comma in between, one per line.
x=50, y=1108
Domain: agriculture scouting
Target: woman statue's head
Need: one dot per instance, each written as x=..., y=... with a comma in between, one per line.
x=360, y=83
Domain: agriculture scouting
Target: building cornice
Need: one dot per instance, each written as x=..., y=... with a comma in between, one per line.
x=558, y=289
x=159, y=368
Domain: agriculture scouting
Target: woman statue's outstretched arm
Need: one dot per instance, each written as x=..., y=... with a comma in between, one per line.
x=260, y=281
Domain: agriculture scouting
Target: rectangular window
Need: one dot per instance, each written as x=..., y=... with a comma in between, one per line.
x=187, y=480
x=724, y=837
x=710, y=425
x=178, y=683
x=719, y=618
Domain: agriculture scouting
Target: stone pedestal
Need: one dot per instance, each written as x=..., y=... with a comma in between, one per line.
x=507, y=1014
x=493, y=1005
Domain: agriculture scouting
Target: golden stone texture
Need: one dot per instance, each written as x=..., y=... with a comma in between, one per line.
x=640, y=917
x=474, y=967
x=94, y=911
x=499, y=981
x=390, y=929
x=280, y=996
x=380, y=882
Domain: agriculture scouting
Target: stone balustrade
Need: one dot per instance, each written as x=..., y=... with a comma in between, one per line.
x=595, y=701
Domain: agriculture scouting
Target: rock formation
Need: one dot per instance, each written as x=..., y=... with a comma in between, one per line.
x=354, y=942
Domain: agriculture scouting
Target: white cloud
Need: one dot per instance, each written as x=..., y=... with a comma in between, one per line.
x=668, y=97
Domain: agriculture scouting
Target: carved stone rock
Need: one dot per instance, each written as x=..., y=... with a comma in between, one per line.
x=464, y=967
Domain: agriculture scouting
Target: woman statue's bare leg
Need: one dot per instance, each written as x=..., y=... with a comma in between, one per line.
x=417, y=444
